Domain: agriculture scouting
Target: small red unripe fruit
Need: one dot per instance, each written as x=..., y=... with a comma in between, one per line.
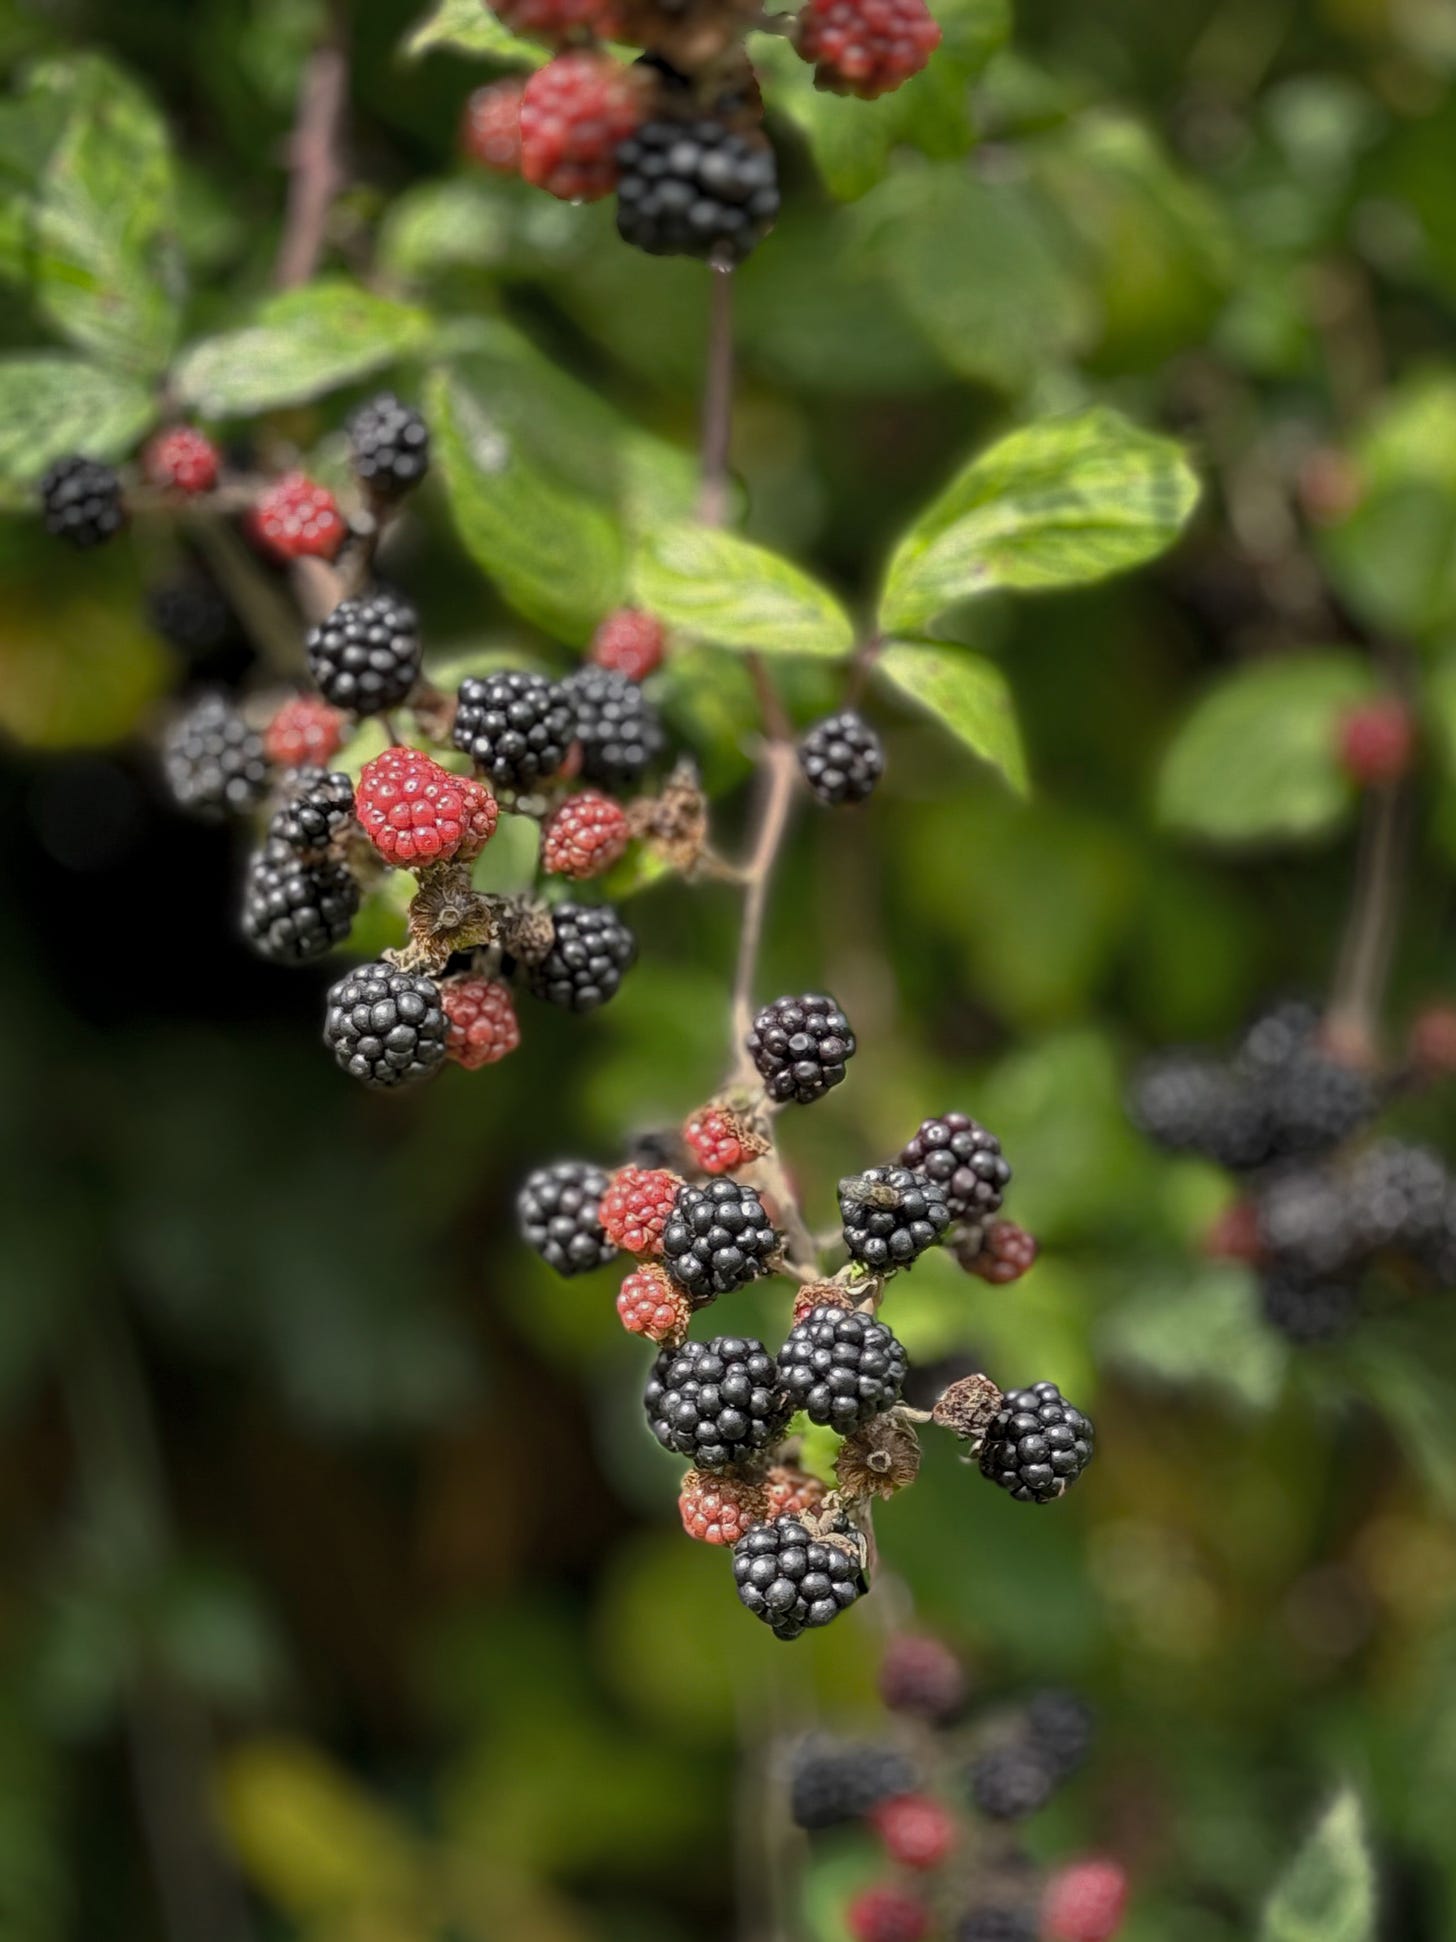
x=1084, y=1902
x=886, y=1914
x=917, y=1831
x=1377, y=741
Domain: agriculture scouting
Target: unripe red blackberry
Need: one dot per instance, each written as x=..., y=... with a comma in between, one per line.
x=491, y=132
x=306, y=733
x=629, y=642
x=842, y=759
x=576, y=111
x=1085, y=1901
x=866, y=47
x=557, y=1212
x=296, y=908
x=650, y=1303
x=884, y=1913
x=558, y=21
x=965, y=1160
x=801, y=1047
x=716, y=1402
x=482, y=1021
x=718, y=1510
x=214, y=761
x=792, y=1492
x=182, y=460
x=841, y=1368
x=592, y=949
x=922, y=1677
x=1233, y=1235
x=585, y=836
x=793, y=1581
x=1000, y=1253
x=1432, y=1041
x=389, y=444
x=720, y=1140
x=916, y=1829
x=385, y=1026
x=696, y=188
x=1377, y=741
x=637, y=1206
x=415, y=813
x=1038, y=1445
x=366, y=656
x=299, y=519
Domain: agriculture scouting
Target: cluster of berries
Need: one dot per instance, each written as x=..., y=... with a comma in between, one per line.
x=677, y=135
x=705, y=1219
x=1321, y=1205
x=931, y=1795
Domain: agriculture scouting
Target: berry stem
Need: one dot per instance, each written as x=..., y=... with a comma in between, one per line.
x=777, y=776
x=717, y=436
x=315, y=172
x=1353, y=1017
x=263, y=610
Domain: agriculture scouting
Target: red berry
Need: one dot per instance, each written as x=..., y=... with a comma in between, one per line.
x=1084, y=1902
x=585, y=836
x=1234, y=1235
x=1006, y=1253
x=416, y=813
x=716, y=1137
x=629, y=641
x=792, y=1493
x=635, y=1207
x=297, y=517
x=923, y=1677
x=886, y=1914
x=491, y=134
x=557, y=21
x=650, y=1303
x=820, y=1294
x=305, y=733
x=575, y=114
x=917, y=1831
x=1377, y=741
x=182, y=460
x=1433, y=1040
x=481, y=1021
x=866, y=47
x=718, y=1510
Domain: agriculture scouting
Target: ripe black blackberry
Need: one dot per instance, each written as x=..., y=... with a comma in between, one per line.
x=1011, y=1781
x=717, y=1238
x=996, y=1922
x=1276, y=1037
x=1398, y=1195
x=842, y=758
x=891, y=1215
x=841, y=1368
x=213, y=761
x=319, y=807
x=389, y=444
x=801, y=1047
x=1193, y=1105
x=190, y=614
x=82, y=502
x=591, y=950
x=834, y=1781
x=1038, y=1444
x=294, y=909
x=793, y=1581
x=557, y=1211
x=1309, y=1224
x=515, y=727
x=1312, y=1103
x=1308, y=1311
x=1060, y=1725
x=617, y=726
x=366, y=656
x=716, y=1402
x=696, y=189
x=964, y=1159
x=384, y=1025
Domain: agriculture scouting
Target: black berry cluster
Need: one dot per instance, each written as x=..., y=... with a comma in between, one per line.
x=1037, y=1445
x=842, y=759
x=385, y=1026
x=717, y=1238
x=214, y=760
x=801, y=1047
x=696, y=189
x=716, y=1402
x=318, y=809
x=891, y=1215
x=589, y=952
x=841, y=1367
x=82, y=502
x=296, y=908
x=515, y=727
x=366, y=656
x=557, y=1209
x=963, y=1159
x=616, y=725
x=794, y=1581
x=389, y=444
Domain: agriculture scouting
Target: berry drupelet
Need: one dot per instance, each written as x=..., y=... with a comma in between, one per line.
x=557, y=1211
x=696, y=189
x=366, y=656
x=717, y=1238
x=296, y=909
x=801, y=1047
x=82, y=503
x=793, y=1581
x=618, y=727
x=842, y=759
x=515, y=727
x=891, y=1215
x=1037, y=1445
x=389, y=445
x=716, y=1402
x=214, y=762
x=591, y=950
x=385, y=1026
x=841, y=1368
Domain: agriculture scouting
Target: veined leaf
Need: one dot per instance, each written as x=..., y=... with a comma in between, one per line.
x=727, y=591
x=51, y=404
x=1328, y=1892
x=965, y=692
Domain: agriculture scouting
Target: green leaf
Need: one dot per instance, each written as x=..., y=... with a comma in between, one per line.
x=967, y=693
x=299, y=346
x=105, y=266
x=1198, y=1326
x=555, y=554
x=469, y=27
x=1063, y=503
x=51, y=404
x=726, y=591
x=1328, y=1892
x=1258, y=757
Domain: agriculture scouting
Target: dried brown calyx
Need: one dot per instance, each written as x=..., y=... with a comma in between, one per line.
x=968, y=1408
x=879, y=1459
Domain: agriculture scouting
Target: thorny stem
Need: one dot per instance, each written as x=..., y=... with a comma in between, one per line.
x=315, y=171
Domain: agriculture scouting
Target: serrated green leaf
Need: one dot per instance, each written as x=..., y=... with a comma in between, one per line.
x=51, y=405
x=300, y=345
x=727, y=591
x=965, y=692
x=469, y=27
x=1258, y=756
x=106, y=271
x=1063, y=503
x=1328, y=1891
x=555, y=554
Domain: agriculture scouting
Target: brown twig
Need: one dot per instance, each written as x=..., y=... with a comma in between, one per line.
x=316, y=173
x=264, y=611
x=717, y=401
x=778, y=773
x=1368, y=945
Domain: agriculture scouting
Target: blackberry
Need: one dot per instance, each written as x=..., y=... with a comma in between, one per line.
x=515, y=727
x=385, y=1026
x=716, y=1402
x=1061, y=1727
x=617, y=726
x=1398, y=1195
x=1010, y=1782
x=841, y=1368
x=834, y=1781
x=964, y=1159
x=696, y=189
x=1193, y=1105
x=801, y=1047
x=591, y=949
x=1275, y=1038
x=366, y=656
x=996, y=1922
x=1308, y=1311
x=842, y=758
x=82, y=503
x=389, y=444
x=922, y=1677
x=793, y=1581
x=190, y=614
x=293, y=909
x=1309, y=1224
x=214, y=762
x=319, y=807
x=1313, y=1103
x=557, y=1211
x=1037, y=1445
x=891, y=1215
x=717, y=1238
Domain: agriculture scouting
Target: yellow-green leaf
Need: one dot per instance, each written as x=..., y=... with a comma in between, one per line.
x=965, y=692
x=727, y=591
